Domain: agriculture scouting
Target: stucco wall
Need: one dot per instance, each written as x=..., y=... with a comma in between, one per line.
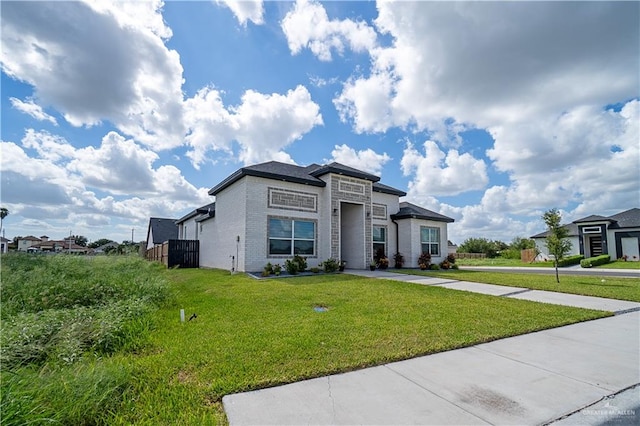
x=410, y=245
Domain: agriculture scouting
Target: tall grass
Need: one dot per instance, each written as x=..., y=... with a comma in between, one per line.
x=61, y=315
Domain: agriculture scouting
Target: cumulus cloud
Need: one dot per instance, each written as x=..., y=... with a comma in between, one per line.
x=308, y=26
x=437, y=173
x=262, y=124
x=47, y=178
x=34, y=110
x=245, y=10
x=366, y=159
x=107, y=63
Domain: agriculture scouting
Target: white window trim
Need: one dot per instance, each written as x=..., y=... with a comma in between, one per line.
x=292, y=239
x=431, y=243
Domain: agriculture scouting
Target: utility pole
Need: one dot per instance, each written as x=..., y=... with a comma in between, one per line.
x=131, y=236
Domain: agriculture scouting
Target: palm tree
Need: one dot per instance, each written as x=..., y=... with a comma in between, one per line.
x=3, y=213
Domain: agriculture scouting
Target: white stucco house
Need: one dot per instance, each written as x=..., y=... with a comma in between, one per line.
x=617, y=236
x=268, y=212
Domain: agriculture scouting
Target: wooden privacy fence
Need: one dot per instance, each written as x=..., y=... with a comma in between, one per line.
x=528, y=255
x=182, y=253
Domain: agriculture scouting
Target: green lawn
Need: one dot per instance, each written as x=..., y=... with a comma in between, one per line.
x=251, y=334
x=603, y=286
x=248, y=334
x=499, y=261
x=619, y=264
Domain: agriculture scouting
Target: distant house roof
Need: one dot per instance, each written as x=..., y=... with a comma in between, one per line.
x=309, y=175
x=162, y=229
x=571, y=227
x=626, y=219
x=30, y=238
x=206, y=209
x=411, y=211
x=4, y=240
x=107, y=245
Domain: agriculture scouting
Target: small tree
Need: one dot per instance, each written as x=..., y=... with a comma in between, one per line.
x=557, y=242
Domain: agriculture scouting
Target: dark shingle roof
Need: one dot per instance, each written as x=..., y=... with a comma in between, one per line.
x=571, y=227
x=386, y=189
x=162, y=229
x=593, y=218
x=411, y=211
x=200, y=210
x=309, y=175
x=627, y=219
x=341, y=169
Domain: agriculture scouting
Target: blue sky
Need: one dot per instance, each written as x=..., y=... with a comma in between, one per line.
x=487, y=112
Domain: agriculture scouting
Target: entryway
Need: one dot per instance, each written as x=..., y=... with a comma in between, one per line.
x=352, y=235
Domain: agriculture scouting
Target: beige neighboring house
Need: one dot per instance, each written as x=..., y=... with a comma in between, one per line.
x=25, y=242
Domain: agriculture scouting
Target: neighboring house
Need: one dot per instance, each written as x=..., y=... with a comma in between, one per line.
x=190, y=225
x=453, y=248
x=160, y=230
x=26, y=242
x=4, y=245
x=617, y=235
x=57, y=246
x=541, y=242
x=105, y=247
x=268, y=212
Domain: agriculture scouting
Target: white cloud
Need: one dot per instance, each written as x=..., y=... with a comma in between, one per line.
x=245, y=10
x=33, y=109
x=59, y=183
x=437, y=173
x=366, y=159
x=107, y=63
x=263, y=124
x=308, y=26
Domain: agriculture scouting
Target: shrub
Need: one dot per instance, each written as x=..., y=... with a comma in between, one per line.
x=510, y=254
x=454, y=266
x=595, y=261
x=301, y=262
x=570, y=260
x=315, y=270
x=291, y=267
x=330, y=265
x=277, y=268
x=451, y=258
x=424, y=260
x=445, y=264
x=434, y=267
x=398, y=260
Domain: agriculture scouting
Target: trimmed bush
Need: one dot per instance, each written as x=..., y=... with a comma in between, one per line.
x=571, y=260
x=595, y=261
x=330, y=265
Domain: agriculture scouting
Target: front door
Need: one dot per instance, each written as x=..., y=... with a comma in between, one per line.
x=595, y=245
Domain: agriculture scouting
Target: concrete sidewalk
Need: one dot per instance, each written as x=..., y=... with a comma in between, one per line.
x=531, y=379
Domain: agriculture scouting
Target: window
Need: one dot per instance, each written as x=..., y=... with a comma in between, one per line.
x=379, y=240
x=430, y=240
x=289, y=237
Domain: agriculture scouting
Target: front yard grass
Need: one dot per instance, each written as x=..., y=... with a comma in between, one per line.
x=247, y=334
x=500, y=261
x=599, y=286
x=252, y=334
x=620, y=264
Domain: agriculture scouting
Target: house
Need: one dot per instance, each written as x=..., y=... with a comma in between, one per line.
x=617, y=235
x=4, y=245
x=160, y=230
x=271, y=211
x=106, y=247
x=25, y=242
x=56, y=246
x=541, y=242
x=189, y=225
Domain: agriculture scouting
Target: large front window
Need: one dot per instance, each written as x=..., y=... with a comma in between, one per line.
x=430, y=240
x=379, y=241
x=289, y=237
